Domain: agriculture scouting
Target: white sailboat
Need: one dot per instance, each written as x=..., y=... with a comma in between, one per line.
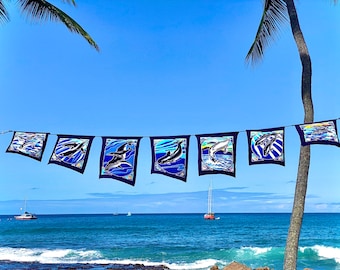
x=210, y=214
x=26, y=215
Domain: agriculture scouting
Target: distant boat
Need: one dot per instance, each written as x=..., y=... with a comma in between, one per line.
x=129, y=214
x=210, y=214
x=26, y=215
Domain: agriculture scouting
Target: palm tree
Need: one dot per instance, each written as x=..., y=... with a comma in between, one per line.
x=275, y=13
x=43, y=10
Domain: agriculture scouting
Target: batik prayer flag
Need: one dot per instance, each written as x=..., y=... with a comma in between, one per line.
x=217, y=153
x=266, y=146
x=72, y=151
x=118, y=159
x=318, y=133
x=30, y=144
x=170, y=156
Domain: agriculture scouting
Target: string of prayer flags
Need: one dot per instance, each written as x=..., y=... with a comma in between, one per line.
x=217, y=153
x=318, y=133
x=266, y=146
x=118, y=159
x=72, y=151
x=170, y=156
x=30, y=144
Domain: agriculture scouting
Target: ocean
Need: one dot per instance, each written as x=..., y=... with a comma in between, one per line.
x=178, y=241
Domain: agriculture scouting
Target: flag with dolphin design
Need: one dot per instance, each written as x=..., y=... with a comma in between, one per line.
x=72, y=151
x=266, y=146
x=118, y=158
x=170, y=156
x=318, y=133
x=30, y=144
x=217, y=153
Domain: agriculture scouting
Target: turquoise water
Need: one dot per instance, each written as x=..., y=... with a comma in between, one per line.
x=179, y=241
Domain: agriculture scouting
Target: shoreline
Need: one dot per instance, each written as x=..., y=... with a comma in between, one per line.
x=110, y=266
x=76, y=266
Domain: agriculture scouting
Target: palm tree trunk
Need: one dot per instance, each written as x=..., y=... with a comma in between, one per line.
x=291, y=251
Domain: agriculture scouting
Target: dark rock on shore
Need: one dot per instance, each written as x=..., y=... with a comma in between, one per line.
x=237, y=266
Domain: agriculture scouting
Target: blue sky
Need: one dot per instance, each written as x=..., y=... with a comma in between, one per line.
x=165, y=68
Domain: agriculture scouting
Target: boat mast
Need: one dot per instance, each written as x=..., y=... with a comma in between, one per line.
x=210, y=199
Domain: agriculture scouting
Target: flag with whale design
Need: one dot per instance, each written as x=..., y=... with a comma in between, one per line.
x=72, y=151
x=30, y=144
x=118, y=158
x=266, y=146
x=324, y=132
x=170, y=156
x=217, y=153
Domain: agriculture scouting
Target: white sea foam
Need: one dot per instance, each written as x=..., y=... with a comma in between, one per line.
x=58, y=256
x=257, y=250
x=47, y=256
x=325, y=252
x=200, y=264
x=124, y=262
x=197, y=265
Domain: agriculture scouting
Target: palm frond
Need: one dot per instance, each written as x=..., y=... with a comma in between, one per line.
x=43, y=10
x=72, y=2
x=3, y=13
x=274, y=14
